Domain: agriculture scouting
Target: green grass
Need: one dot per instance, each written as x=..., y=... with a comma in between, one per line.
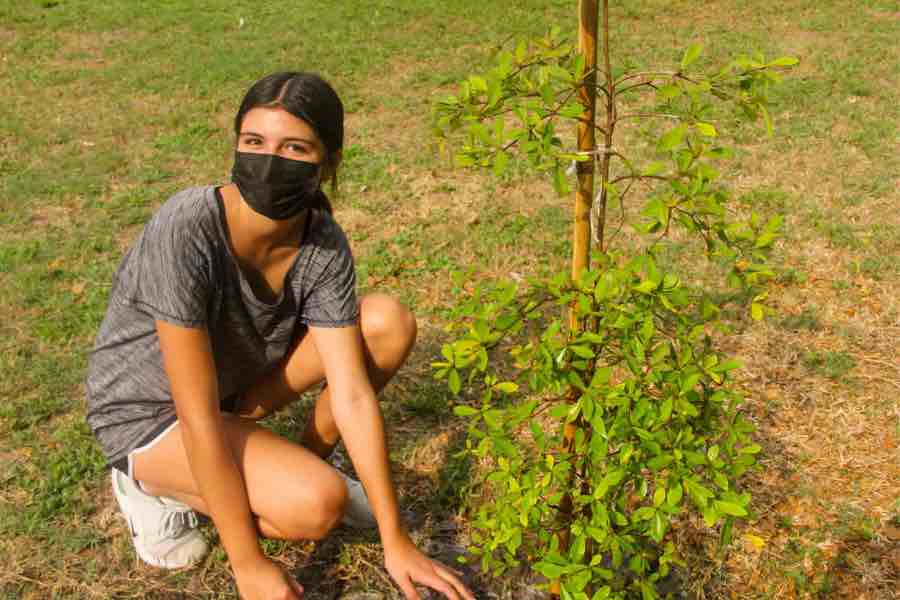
x=834, y=365
x=110, y=107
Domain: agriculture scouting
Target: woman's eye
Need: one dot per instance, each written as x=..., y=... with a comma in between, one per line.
x=297, y=148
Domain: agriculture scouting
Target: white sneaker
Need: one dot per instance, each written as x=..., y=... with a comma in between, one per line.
x=359, y=513
x=164, y=531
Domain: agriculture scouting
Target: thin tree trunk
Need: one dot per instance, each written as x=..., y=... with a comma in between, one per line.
x=608, y=129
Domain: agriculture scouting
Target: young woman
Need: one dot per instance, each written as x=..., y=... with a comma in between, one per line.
x=233, y=301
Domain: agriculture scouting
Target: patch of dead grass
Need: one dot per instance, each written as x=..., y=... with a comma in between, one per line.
x=828, y=444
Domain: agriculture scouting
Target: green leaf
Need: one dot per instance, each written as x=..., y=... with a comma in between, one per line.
x=698, y=492
x=658, y=527
x=478, y=83
x=765, y=240
x=720, y=480
x=659, y=496
x=507, y=387
x=644, y=513
x=547, y=94
x=598, y=535
x=560, y=410
x=654, y=168
x=659, y=353
x=560, y=180
x=665, y=410
x=672, y=138
x=494, y=418
x=770, y=127
x=728, y=365
x=645, y=287
x=648, y=592
x=602, y=593
x=757, y=312
x=501, y=160
x=660, y=462
x=689, y=382
x=462, y=410
x=555, y=571
x=668, y=92
x=521, y=50
x=454, y=382
x=751, y=449
x=582, y=351
x=690, y=55
x=784, y=61
x=674, y=495
x=495, y=92
x=601, y=376
x=549, y=570
x=730, y=508
x=611, y=479
x=706, y=129
x=574, y=411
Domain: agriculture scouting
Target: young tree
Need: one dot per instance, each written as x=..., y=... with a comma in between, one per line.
x=606, y=426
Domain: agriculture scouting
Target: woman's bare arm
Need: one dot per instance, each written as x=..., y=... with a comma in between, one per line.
x=358, y=419
x=189, y=364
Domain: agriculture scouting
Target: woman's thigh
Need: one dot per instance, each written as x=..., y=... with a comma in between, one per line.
x=388, y=329
x=287, y=485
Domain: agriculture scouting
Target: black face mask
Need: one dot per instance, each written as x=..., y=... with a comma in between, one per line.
x=274, y=186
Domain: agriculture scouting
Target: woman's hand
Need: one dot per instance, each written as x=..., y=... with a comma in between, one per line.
x=264, y=580
x=407, y=566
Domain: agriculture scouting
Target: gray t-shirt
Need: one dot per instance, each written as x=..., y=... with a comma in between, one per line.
x=181, y=270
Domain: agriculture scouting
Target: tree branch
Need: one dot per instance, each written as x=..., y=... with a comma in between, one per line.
x=633, y=176
x=646, y=115
x=637, y=85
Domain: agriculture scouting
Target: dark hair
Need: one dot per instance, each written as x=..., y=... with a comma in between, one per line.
x=306, y=96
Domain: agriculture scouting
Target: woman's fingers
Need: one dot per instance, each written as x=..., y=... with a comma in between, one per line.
x=408, y=588
x=456, y=572
x=437, y=583
x=450, y=575
x=295, y=585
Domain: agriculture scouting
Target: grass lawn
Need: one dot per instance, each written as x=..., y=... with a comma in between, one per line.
x=110, y=107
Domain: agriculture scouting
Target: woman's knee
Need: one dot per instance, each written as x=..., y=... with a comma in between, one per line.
x=305, y=518
x=384, y=319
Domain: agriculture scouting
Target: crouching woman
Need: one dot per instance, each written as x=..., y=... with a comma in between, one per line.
x=234, y=300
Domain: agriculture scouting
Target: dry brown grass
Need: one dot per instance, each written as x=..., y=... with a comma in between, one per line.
x=827, y=501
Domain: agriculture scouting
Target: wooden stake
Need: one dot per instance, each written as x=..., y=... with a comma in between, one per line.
x=587, y=96
x=584, y=194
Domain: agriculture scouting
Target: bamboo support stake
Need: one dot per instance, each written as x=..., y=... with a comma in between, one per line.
x=584, y=192
x=587, y=96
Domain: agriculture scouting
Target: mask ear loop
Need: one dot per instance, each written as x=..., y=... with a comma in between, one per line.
x=595, y=205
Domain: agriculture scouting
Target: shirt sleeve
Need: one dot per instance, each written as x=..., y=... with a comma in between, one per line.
x=166, y=273
x=330, y=300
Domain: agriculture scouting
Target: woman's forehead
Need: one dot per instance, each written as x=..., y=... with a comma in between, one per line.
x=277, y=122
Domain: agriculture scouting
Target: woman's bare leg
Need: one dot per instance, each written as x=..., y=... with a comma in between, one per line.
x=389, y=332
x=293, y=493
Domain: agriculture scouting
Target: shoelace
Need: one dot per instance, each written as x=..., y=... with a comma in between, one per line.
x=176, y=522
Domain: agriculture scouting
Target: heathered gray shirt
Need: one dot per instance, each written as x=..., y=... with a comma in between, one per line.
x=181, y=270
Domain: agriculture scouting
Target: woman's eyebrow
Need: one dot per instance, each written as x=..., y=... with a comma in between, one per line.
x=287, y=139
x=298, y=139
